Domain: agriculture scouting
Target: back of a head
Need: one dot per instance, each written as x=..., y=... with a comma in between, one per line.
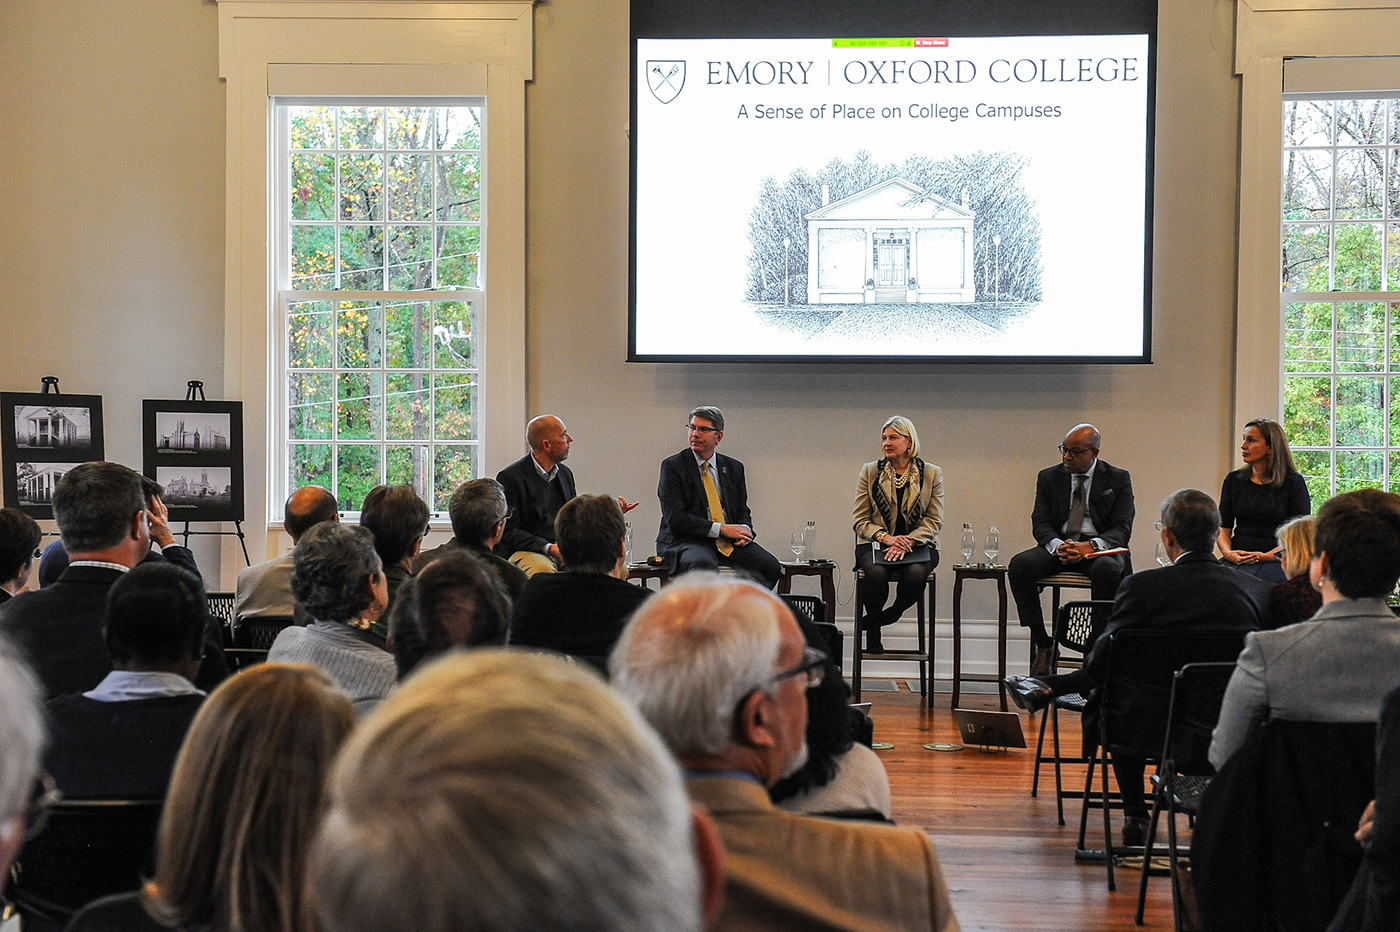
x=1193, y=519
x=454, y=601
x=245, y=798
x=307, y=507
x=154, y=615
x=505, y=792
x=692, y=652
x=397, y=518
x=589, y=530
x=94, y=505
x=1360, y=534
x=22, y=738
x=332, y=566
x=1296, y=538
x=476, y=507
x=19, y=538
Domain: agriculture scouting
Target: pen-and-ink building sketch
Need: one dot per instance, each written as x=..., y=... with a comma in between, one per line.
x=203, y=438
x=38, y=481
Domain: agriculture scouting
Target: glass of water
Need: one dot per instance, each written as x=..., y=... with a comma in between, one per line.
x=992, y=546
x=627, y=536
x=969, y=543
x=1163, y=558
x=798, y=545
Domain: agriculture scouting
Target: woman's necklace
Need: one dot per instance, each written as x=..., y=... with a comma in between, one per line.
x=900, y=481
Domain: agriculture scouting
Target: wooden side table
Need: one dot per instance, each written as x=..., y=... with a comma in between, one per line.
x=825, y=571
x=974, y=572
x=644, y=571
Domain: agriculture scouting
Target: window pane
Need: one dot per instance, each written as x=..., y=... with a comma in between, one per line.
x=310, y=465
x=309, y=334
x=457, y=256
x=1307, y=411
x=362, y=258
x=459, y=186
x=1360, y=412
x=410, y=127
x=313, y=258
x=1360, y=181
x=362, y=187
x=1307, y=338
x=1360, y=471
x=358, y=335
x=359, y=402
x=1358, y=257
x=407, y=335
x=357, y=471
x=309, y=405
x=411, y=187
x=1394, y=136
x=1395, y=337
x=1307, y=184
x=1394, y=413
x=1316, y=467
x=408, y=465
x=1307, y=122
x=313, y=186
x=458, y=127
x=1394, y=473
x=1360, y=122
x=452, y=465
x=361, y=128
x=410, y=258
x=454, y=407
x=312, y=127
x=406, y=406
x=1360, y=337
x=1305, y=257
x=454, y=329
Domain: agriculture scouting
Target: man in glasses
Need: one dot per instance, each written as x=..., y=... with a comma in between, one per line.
x=720, y=669
x=1082, y=507
x=705, y=519
x=479, y=514
x=19, y=545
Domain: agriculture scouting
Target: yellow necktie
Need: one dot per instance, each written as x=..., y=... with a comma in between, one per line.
x=716, y=509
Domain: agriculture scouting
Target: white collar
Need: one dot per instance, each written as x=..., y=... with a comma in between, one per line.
x=123, y=685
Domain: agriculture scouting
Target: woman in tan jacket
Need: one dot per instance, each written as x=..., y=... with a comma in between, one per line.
x=898, y=513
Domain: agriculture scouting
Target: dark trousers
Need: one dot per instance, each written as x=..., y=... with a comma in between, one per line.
x=1030, y=566
x=751, y=560
x=1128, y=770
x=875, y=585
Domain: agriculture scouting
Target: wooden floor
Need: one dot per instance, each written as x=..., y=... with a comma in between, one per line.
x=1008, y=863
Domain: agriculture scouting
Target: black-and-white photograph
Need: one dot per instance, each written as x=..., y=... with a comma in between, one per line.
x=54, y=428
x=195, y=486
x=192, y=432
x=36, y=482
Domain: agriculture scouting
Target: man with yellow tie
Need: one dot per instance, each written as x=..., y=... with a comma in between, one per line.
x=705, y=520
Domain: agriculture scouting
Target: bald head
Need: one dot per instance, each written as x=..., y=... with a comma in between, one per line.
x=548, y=438
x=307, y=507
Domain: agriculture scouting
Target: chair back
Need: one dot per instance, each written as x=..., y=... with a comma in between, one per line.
x=241, y=658
x=89, y=848
x=221, y=607
x=1142, y=668
x=811, y=610
x=1080, y=623
x=810, y=607
x=1198, y=690
x=259, y=633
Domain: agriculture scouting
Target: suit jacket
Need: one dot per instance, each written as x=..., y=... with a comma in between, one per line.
x=1335, y=667
x=794, y=872
x=117, y=750
x=1373, y=904
x=532, y=526
x=59, y=627
x=509, y=575
x=685, y=509
x=581, y=614
x=55, y=560
x=928, y=497
x=265, y=589
x=1110, y=504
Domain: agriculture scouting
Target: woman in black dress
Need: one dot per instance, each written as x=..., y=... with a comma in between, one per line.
x=1258, y=498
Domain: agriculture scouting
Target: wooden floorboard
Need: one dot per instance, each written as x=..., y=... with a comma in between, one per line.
x=1008, y=863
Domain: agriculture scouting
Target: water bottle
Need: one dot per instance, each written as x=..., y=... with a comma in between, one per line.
x=809, y=535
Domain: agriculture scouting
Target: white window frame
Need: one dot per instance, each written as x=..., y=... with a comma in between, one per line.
x=405, y=48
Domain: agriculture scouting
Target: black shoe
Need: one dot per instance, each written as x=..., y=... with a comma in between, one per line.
x=1028, y=692
x=1134, y=832
x=873, y=644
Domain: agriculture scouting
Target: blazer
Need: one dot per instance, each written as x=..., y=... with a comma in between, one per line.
x=929, y=498
x=59, y=627
x=532, y=527
x=1110, y=504
x=265, y=589
x=794, y=872
x=1335, y=667
x=685, y=509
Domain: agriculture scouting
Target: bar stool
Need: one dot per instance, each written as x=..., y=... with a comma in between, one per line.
x=924, y=654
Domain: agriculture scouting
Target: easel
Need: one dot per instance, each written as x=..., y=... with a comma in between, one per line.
x=196, y=387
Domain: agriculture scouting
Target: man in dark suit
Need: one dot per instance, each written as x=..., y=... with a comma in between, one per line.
x=1195, y=592
x=537, y=485
x=478, y=512
x=19, y=540
x=1082, y=506
x=705, y=519
x=55, y=559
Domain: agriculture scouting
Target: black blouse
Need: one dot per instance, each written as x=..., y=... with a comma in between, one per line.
x=1252, y=512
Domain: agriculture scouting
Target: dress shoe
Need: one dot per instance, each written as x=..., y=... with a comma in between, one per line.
x=1134, y=832
x=873, y=644
x=1028, y=692
x=1042, y=661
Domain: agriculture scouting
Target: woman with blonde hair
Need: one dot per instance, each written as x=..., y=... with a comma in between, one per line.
x=244, y=803
x=1257, y=498
x=1294, y=600
x=898, y=514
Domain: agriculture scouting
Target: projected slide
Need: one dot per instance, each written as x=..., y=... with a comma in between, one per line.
x=922, y=197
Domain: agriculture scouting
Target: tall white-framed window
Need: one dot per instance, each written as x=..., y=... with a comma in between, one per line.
x=380, y=294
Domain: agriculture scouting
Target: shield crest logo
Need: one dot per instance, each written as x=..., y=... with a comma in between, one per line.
x=665, y=78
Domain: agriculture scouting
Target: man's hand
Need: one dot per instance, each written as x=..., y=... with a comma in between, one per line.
x=158, y=520
x=553, y=551
x=1367, y=823
x=1074, y=551
x=740, y=534
x=625, y=505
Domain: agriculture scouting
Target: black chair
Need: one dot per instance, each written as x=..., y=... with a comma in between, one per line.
x=1077, y=626
x=813, y=609
x=89, y=848
x=259, y=633
x=1136, y=698
x=221, y=610
x=1185, y=770
x=924, y=654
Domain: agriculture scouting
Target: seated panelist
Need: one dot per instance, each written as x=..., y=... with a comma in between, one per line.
x=899, y=509
x=1259, y=497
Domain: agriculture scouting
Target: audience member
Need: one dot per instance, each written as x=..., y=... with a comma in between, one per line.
x=398, y=519
x=1294, y=600
x=478, y=511
x=720, y=670
x=705, y=518
x=454, y=601
x=1258, y=497
x=337, y=578
x=501, y=792
x=1194, y=593
x=265, y=589
x=1082, y=506
x=841, y=777
x=243, y=807
x=119, y=740
x=1338, y=666
x=1373, y=903
x=537, y=485
x=581, y=611
x=19, y=543
x=55, y=559
x=21, y=747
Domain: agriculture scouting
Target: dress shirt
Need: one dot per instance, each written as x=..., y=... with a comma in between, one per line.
x=714, y=474
x=123, y=685
x=1087, y=529
x=547, y=476
x=120, y=568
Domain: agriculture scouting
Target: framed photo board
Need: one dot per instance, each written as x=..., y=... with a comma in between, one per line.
x=41, y=438
x=195, y=450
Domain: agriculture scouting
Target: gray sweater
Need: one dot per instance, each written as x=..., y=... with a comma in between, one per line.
x=364, y=671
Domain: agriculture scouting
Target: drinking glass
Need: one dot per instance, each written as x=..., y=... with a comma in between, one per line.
x=798, y=545
x=1162, y=558
x=969, y=543
x=992, y=547
x=627, y=536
